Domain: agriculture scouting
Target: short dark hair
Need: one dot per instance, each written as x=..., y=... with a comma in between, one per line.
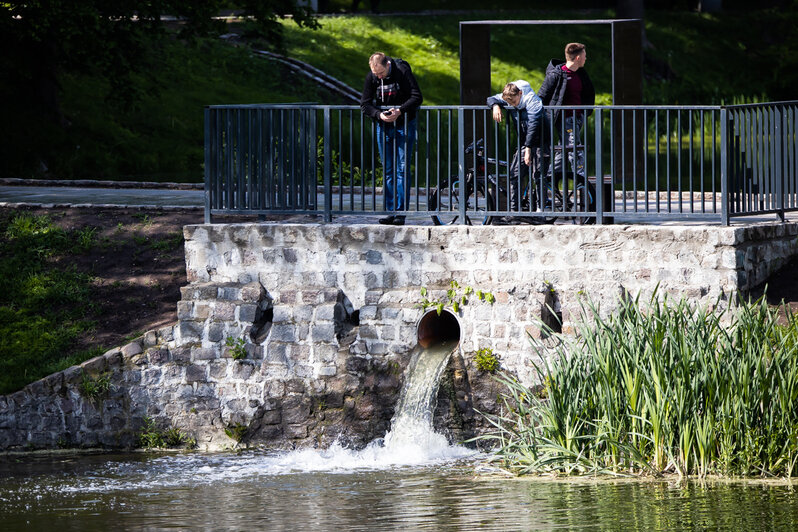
x=573, y=49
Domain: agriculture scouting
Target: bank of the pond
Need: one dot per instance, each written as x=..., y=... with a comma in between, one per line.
x=660, y=387
x=197, y=369
x=131, y=269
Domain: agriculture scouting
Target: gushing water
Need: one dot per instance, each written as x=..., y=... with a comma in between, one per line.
x=411, y=427
x=410, y=442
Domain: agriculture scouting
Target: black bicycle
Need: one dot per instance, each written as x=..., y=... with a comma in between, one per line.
x=486, y=192
x=479, y=190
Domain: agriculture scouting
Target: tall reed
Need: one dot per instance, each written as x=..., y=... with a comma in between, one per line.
x=669, y=387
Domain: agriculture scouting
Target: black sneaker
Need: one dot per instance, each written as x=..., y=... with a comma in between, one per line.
x=398, y=220
x=388, y=220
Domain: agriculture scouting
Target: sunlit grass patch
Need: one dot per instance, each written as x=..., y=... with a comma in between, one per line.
x=44, y=307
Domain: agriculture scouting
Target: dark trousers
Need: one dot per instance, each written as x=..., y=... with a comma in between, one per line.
x=520, y=174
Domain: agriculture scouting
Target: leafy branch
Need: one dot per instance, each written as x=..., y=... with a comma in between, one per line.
x=456, y=297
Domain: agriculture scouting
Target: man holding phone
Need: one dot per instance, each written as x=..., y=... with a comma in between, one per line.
x=390, y=83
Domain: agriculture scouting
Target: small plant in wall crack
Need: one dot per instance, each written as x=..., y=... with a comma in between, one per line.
x=95, y=388
x=487, y=360
x=236, y=431
x=456, y=297
x=151, y=437
x=238, y=350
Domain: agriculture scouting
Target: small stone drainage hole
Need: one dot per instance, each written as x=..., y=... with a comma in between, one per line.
x=263, y=322
x=346, y=318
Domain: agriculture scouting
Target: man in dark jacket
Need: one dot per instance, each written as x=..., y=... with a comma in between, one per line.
x=567, y=84
x=391, y=84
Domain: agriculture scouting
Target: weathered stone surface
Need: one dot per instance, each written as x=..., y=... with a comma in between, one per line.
x=95, y=365
x=181, y=354
x=216, y=331
x=248, y=312
x=189, y=331
x=326, y=371
x=195, y=373
x=157, y=356
x=243, y=370
x=131, y=349
x=204, y=353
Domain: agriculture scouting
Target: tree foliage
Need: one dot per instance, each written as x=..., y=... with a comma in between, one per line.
x=42, y=40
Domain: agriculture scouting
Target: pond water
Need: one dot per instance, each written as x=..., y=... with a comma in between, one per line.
x=366, y=490
x=412, y=479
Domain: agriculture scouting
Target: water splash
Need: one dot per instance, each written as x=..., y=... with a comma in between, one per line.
x=411, y=442
x=411, y=427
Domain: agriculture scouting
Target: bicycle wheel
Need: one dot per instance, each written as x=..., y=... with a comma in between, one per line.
x=445, y=199
x=582, y=199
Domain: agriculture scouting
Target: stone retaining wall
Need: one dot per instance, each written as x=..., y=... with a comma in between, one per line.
x=327, y=318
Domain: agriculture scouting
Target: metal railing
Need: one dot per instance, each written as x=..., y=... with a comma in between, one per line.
x=639, y=162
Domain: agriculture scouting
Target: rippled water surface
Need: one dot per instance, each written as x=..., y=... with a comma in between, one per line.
x=411, y=480
x=344, y=490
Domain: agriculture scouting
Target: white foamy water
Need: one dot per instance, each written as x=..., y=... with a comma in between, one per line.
x=411, y=442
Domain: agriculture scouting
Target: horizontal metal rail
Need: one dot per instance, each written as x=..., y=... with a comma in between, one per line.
x=639, y=162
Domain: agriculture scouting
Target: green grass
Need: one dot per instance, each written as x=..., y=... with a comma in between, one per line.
x=431, y=45
x=44, y=308
x=695, y=59
x=159, y=138
x=152, y=437
x=661, y=388
x=738, y=43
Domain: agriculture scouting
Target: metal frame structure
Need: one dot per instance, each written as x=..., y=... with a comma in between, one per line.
x=681, y=162
x=627, y=57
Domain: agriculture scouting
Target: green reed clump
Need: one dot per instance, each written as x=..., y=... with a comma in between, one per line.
x=666, y=388
x=152, y=437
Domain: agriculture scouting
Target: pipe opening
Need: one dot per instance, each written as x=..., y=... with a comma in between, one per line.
x=434, y=329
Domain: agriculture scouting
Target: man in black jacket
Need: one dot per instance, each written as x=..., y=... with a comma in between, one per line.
x=391, y=83
x=567, y=84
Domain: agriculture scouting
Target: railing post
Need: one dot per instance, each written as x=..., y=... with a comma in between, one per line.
x=777, y=163
x=208, y=165
x=724, y=166
x=327, y=168
x=599, y=169
x=462, y=193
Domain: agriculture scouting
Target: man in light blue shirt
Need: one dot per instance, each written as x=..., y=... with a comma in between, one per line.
x=526, y=110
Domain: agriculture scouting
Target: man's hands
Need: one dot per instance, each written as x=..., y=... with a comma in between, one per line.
x=391, y=115
x=497, y=113
x=527, y=155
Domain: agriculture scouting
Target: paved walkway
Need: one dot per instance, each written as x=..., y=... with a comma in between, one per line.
x=102, y=196
x=176, y=198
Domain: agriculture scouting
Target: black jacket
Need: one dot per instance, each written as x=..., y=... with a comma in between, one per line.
x=552, y=92
x=400, y=89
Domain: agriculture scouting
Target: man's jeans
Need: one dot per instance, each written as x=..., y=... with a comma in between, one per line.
x=396, y=143
x=573, y=133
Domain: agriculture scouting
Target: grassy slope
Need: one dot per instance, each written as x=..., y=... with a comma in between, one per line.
x=161, y=137
x=697, y=59
x=431, y=45
x=44, y=307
